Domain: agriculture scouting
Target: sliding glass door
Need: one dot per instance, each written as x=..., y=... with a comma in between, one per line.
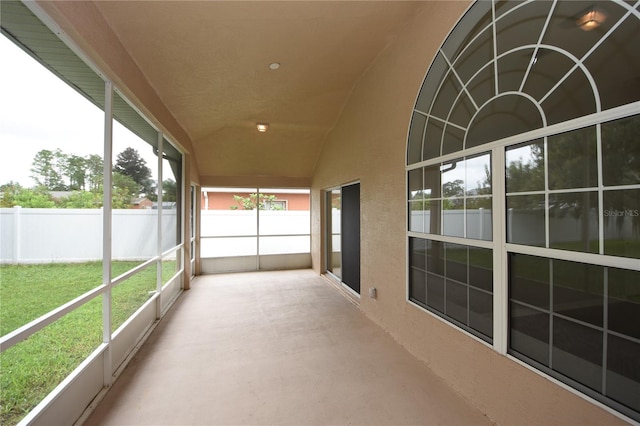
x=342, y=238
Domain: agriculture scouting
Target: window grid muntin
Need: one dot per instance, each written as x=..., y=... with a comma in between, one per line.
x=579, y=63
x=624, y=111
x=591, y=119
x=537, y=102
x=442, y=198
x=536, y=49
x=600, y=189
x=619, y=113
x=550, y=312
x=445, y=278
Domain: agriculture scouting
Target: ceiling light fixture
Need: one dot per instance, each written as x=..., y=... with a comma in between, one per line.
x=262, y=127
x=591, y=19
x=274, y=65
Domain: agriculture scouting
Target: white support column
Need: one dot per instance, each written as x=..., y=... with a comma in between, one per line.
x=159, y=230
x=183, y=256
x=198, y=229
x=107, y=229
x=257, y=228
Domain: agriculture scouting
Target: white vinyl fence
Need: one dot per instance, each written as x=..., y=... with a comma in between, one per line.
x=230, y=233
x=528, y=226
x=75, y=235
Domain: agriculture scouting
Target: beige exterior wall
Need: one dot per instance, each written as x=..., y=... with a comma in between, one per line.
x=368, y=144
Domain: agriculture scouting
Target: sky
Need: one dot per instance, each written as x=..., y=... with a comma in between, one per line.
x=39, y=111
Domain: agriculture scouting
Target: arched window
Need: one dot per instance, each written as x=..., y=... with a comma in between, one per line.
x=523, y=174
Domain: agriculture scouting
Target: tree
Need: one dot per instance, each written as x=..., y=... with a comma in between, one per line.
x=621, y=166
x=34, y=198
x=75, y=169
x=15, y=195
x=94, y=172
x=484, y=187
x=169, y=190
x=524, y=175
x=250, y=202
x=46, y=169
x=129, y=163
x=453, y=189
x=8, y=193
x=124, y=188
x=81, y=200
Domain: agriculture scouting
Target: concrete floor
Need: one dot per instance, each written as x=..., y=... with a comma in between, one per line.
x=275, y=348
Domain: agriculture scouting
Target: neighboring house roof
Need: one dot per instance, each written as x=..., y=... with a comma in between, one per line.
x=140, y=200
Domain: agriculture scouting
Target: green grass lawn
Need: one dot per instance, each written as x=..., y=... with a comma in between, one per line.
x=32, y=368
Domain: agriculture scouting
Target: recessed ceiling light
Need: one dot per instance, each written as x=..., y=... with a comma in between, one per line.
x=262, y=127
x=274, y=65
x=591, y=19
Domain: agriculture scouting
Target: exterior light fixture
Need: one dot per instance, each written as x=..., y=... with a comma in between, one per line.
x=591, y=19
x=274, y=65
x=262, y=127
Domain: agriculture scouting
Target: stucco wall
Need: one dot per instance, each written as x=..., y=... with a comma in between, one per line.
x=368, y=144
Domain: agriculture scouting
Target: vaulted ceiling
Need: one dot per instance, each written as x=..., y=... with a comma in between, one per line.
x=208, y=62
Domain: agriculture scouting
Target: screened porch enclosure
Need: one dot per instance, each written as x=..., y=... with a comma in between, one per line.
x=456, y=183
x=86, y=270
